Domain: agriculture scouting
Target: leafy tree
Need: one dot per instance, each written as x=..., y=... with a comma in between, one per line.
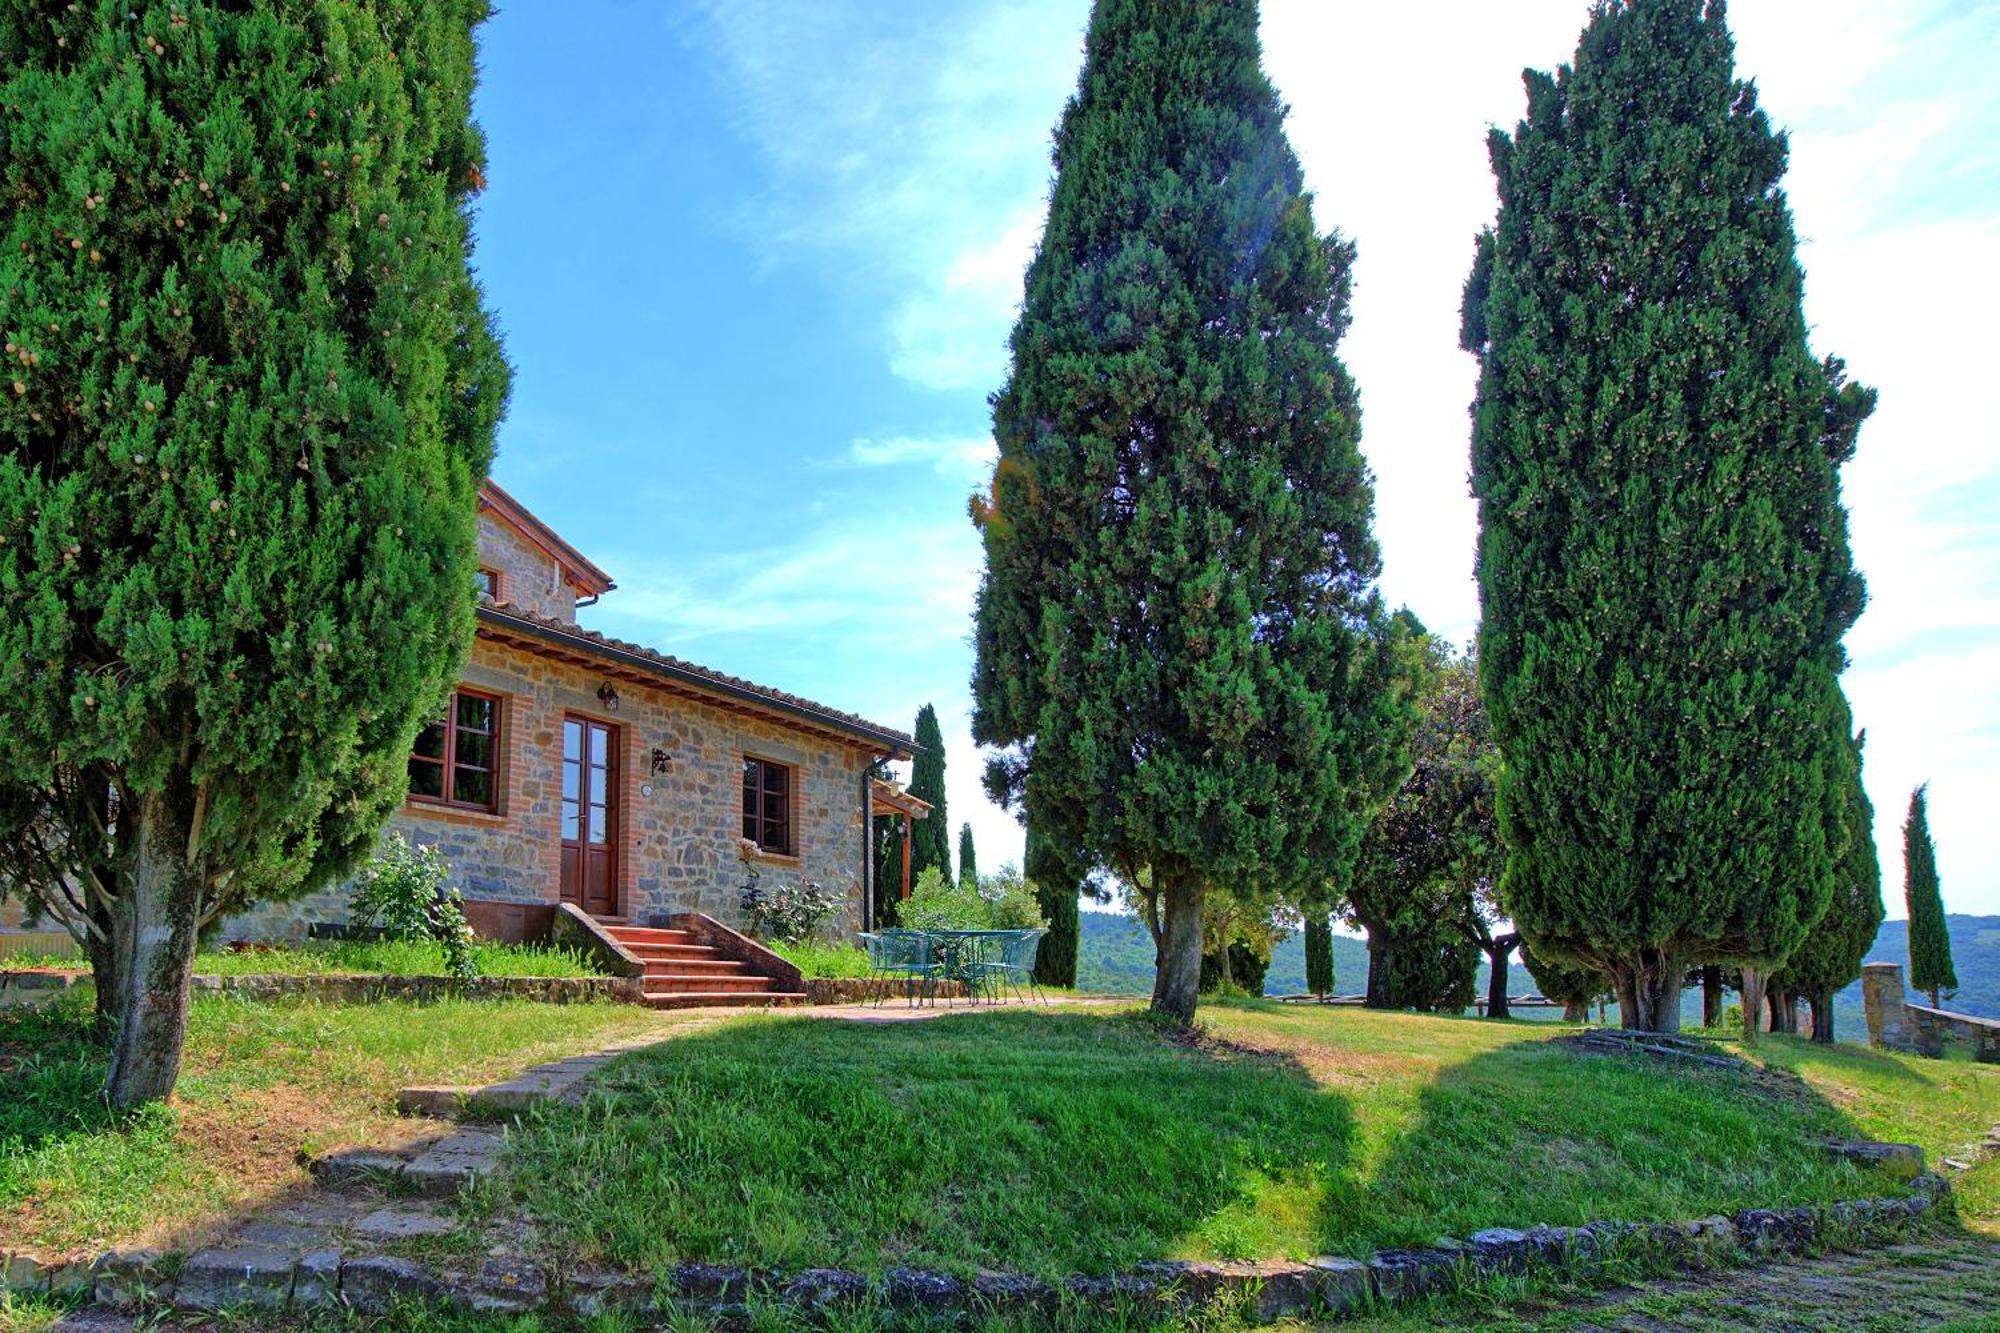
x=1432, y=967
x=1175, y=635
x=968, y=863
x=1059, y=887
x=1930, y=947
x=1663, y=557
x=1831, y=954
x=1319, y=955
x=1575, y=988
x=930, y=838
x=1239, y=929
x=252, y=398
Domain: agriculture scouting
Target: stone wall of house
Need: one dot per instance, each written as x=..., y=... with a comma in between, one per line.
x=680, y=829
x=529, y=577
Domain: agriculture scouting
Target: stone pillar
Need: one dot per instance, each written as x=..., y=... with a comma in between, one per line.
x=1882, y=1002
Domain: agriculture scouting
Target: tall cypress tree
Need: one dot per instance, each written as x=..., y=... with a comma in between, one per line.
x=930, y=838
x=1663, y=558
x=968, y=863
x=251, y=400
x=1319, y=954
x=1175, y=646
x=1930, y=944
x=1058, y=882
x=1830, y=955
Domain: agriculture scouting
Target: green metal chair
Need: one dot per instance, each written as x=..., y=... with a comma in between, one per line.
x=1012, y=963
x=905, y=955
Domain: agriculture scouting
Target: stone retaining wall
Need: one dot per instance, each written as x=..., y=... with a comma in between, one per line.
x=25, y=988
x=858, y=990
x=359, y=989
x=242, y=1277
x=1897, y=1025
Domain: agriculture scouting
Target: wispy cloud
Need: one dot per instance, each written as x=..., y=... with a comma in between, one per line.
x=970, y=456
x=912, y=146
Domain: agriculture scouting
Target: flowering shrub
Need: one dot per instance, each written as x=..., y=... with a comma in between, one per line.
x=788, y=912
x=407, y=893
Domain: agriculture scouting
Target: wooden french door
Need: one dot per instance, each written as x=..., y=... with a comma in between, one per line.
x=590, y=815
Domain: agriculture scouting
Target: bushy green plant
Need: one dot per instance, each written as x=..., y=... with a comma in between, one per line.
x=788, y=912
x=1002, y=901
x=1010, y=901
x=406, y=892
x=823, y=960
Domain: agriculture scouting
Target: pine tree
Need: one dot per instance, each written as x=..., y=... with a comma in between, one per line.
x=968, y=863
x=1830, y=955
x=930, y=838
x=1059, y=886
x=1663, y=558
x=1174, y=632
x=1319, y=955
x=1930, y=944
x=251, y=399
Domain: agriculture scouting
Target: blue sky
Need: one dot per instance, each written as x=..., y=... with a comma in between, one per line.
x=756, y=261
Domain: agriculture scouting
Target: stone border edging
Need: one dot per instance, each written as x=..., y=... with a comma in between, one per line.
x=270, y=1279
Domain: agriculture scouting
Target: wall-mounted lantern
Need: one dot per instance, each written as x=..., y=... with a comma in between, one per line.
x=662, y=761
x=607, y=694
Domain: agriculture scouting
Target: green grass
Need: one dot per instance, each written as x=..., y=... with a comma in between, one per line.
x=260, y=1081
x=1085, y=1141
x=824, y=960
x=397, y=958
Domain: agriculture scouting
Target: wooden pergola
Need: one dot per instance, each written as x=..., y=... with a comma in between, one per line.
x=886, y=798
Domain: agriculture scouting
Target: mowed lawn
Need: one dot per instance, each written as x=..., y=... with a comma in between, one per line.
x=260, y=1082
x=1085, y=1140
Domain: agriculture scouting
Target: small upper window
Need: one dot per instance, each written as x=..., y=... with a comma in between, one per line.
x=456, y=761
x=488, y=584
x=767, y=805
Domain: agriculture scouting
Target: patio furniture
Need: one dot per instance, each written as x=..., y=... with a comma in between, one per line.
x=904, y=954
x=987, y=960
x=1012, y=963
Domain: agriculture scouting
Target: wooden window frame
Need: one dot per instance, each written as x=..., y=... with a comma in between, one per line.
x=790, y=851
x=449, y=760
x=490, y=581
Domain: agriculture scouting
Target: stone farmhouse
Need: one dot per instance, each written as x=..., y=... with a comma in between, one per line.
x=574, y=768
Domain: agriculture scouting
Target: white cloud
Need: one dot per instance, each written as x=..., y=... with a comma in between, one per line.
x=970, y=455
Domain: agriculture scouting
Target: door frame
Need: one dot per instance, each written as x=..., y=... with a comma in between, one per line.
x=614, y=802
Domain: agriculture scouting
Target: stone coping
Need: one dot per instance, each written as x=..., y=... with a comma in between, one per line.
x=267, y=1277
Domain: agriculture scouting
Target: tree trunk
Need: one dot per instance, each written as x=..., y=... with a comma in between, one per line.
x=1753, y=1004
x=1576, y=1011
x=1379, y=950
x=1177, y=984
x=1496, y=981
x=1226, y=982
x=1649, y=992
x=106, y=975
x=160, y=912
x=1785, y=1012
x=1711, y=996
x=1822, y=1016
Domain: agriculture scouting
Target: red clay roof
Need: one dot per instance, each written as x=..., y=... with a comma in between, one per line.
x=505, y=616
x=576, y=566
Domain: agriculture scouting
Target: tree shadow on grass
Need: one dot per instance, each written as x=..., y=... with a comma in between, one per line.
x=1544, y=1132
x=1035, y=1141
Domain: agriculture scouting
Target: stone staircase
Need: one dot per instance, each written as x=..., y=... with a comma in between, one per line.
x=683, y=973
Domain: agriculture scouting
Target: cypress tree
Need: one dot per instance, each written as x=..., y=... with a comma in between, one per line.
x=930, y=838
x=968, y=863
x=1319, y=955
x=1830, y=955
x=1176, y=632
x=1574, y=988
x=1930, y=945
x=1058, y=889
x=1663, y=557
x=251, y=397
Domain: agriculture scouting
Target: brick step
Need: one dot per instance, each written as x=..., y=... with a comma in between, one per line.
x=707, y=967
x=649, y=951
x=630, y=935
x=723, y=999
x=655, y=985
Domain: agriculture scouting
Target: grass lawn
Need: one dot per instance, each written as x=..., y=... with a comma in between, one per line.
x=824, y=960
x=261, y=1080
x=1082, y=1140
x=406, y=958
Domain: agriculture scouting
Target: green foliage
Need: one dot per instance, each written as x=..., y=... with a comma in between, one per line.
x=792, y=910
x=406, y=892
x=395, y=958
x=1059, y=885
x=1830, y=955
x=968, y=861
x=823, y=960
x=1576, y=988
x=1319, y=955
x=1003, y=901
x=1432, y=966
x=930, y=838
x=1174, y=646
x=1247, y=966
x=251, y=398
x=1664, y=566
x=1930, y=946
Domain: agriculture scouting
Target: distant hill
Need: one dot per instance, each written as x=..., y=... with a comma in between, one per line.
x=1116, y=956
